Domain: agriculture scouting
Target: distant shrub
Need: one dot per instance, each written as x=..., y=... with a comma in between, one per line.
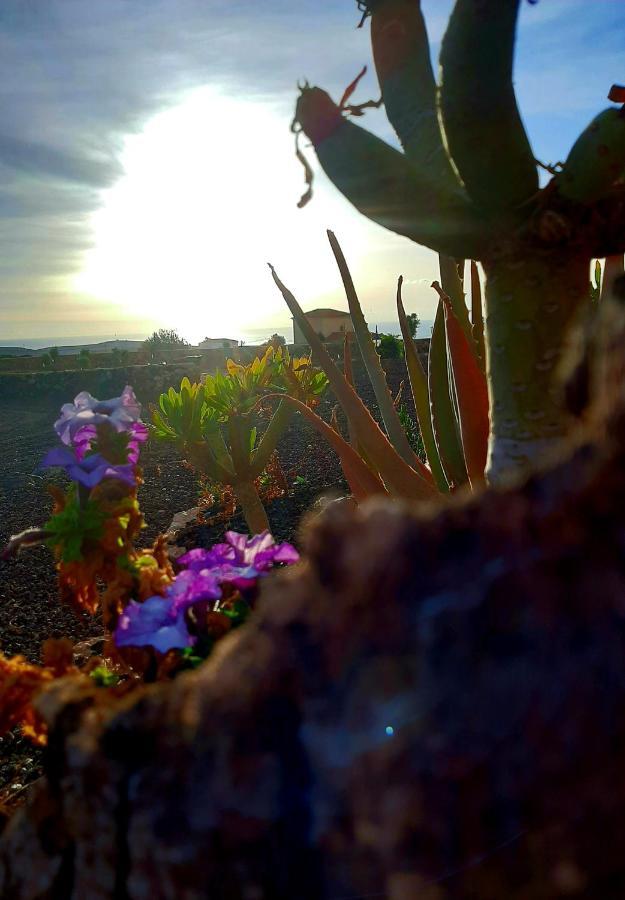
x=50, y=359
x=119, y=357
x=84, y=359
x=390, y=347
x=413, y=324
x=163, y=339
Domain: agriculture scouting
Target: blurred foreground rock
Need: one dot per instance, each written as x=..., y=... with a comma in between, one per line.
x=432, y=707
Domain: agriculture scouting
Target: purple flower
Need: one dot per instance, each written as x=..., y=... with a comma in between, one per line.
x=160, y=622
x=89, y=471
x=83, y=440
x=120, y=412
x=87, y=435
x=241, y=560
x=260, y=551
x=153, y=623
x=138, y=433
x=199, y=559
x=189, y=587
x=241, y=577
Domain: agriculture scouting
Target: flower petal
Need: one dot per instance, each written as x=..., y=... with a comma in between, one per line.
x=189, y=587
x=153, y=623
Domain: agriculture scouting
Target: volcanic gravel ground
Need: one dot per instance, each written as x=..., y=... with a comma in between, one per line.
x=29, y=608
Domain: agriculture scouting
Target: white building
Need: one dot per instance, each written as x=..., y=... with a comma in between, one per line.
x=218, y=343
x=330, y=324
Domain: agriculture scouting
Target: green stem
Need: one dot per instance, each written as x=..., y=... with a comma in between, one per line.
x=401, y=51
x=278, y=424
x=202, y=459
x=484, y=131
x=385, y=186
x=252, y=506
x=531, y=304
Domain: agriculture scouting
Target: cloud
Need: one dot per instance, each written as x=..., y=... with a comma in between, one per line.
x=78, y=78
x=41, y=159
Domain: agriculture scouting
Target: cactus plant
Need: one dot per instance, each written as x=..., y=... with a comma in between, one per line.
x=466, y=185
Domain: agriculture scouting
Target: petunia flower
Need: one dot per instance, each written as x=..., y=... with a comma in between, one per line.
x=199, y=559
x=154, y=623
x=160, y=622
x=120, y=412
x=87, y=435
x=89, y=471
x=190, y=587
x=259, y=551
x=241, y=560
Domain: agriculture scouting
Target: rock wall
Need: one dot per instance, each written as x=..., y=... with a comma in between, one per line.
x=148, y=381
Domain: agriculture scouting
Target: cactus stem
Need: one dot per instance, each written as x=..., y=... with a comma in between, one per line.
x=531, y=304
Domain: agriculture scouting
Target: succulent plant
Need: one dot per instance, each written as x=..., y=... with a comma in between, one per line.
x=451, y=401
x=215, y=423
x=466, y=185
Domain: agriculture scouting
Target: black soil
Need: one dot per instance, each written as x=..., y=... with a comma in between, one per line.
x=29, y=608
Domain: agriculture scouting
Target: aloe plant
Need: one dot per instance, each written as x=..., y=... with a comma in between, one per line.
x=215, y=423
x=451, y=401
x=466, y=185
x=396, y=468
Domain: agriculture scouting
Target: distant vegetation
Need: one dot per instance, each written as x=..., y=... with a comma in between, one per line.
x=119, y=357
x=390, y=347
x=84, y=359
x=413, y=324
x=163, y=339
x=51, y=358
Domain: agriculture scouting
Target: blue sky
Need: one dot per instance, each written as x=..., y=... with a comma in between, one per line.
x=147, y=170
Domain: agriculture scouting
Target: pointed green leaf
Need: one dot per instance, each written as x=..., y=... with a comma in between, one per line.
x=394, y=429
x=444, y=421
x=400, y=478
x=362, y=481
x=420, y=393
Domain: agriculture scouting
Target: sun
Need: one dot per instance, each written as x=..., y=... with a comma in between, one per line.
x=209, y=196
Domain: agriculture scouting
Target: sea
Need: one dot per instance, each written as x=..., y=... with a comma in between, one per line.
x=249, y=336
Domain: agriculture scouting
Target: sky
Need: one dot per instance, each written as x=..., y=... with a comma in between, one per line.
x=147, y=172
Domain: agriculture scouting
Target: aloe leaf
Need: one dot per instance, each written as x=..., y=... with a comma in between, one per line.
x=453, y=287
x=444, y=421
x=397, y=475
x=471, y=394
x=420, y=393
x=348, y=371
x=394, y=429
x=348, y=368
x=477, y=316
x=362, y=481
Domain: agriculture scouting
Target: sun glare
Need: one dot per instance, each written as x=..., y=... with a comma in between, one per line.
x=208, y=197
